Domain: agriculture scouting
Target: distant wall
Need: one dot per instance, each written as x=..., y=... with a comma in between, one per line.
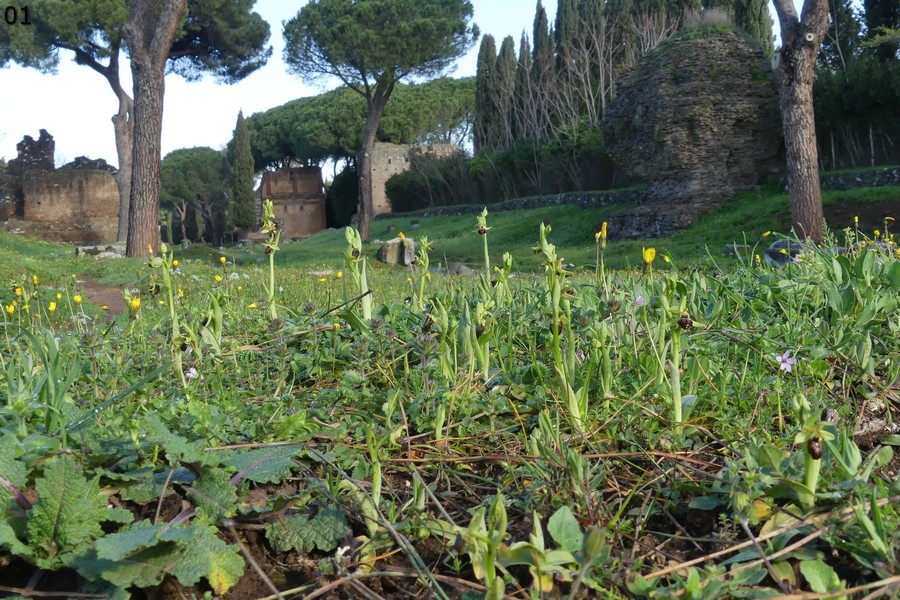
x=66, y=197
x=389, y=159
x=298, y=199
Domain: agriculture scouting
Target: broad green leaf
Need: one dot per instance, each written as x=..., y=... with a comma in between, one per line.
x=144, y=568
x=265, y=465
x=705, y=502
x=785, y=572
x=820, y=576
x=564, y=529
x=206, y=555
x=140, y=535
x=300, y=533
x=177, y=448
x=214, y=496
x=67, y=516
x=11, y=469
x=10, y=541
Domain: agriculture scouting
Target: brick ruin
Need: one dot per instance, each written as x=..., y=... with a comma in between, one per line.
x=298, y=198
x=79, y=202
x=389, y=159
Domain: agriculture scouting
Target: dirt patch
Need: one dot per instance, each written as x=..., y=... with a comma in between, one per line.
x=103, y=295
x=871, y=214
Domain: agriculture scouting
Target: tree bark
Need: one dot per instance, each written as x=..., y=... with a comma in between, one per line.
x=800, y=40
x=366, y=208
x=150, y=32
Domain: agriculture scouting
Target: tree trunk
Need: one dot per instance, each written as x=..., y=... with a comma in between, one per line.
x=800, y=44
x=366, y=207
x=150, y=32
x=122, y=125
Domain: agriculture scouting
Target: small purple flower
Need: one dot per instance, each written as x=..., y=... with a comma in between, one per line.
x=639, y=301
x=579, y=354
x=786, y=361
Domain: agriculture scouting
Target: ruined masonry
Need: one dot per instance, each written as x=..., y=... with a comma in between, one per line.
x=79, y=202
x=298, y=198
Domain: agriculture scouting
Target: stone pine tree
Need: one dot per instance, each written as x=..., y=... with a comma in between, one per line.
x=485, y=115
x=220, y=37
x=882, y=19
x=371, y=46
x=243, y=200
x=800, y=40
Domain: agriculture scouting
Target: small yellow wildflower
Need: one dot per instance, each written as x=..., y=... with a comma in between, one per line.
x=400, y=235
x=783, y=251
x=150, y=248
x=339, y=274
x=34, y=279
x=58, y=296
x=337, y=326
x=135, y=304
x=766, y=234
x=180, y=293
x=322, y=280
x=252, y=306
x=162, y=303
x=757, y=257
x=19, y=291
x=649, y=255
x=74, y=277
x=218, y=279
x=877, y=234
x=223, y=260
x=856, y=219
x=240, y=288
x=77, y=299
x=666, y=258
x=10, y=309
x=175, y=264
x=51, y=307
x=104, y=307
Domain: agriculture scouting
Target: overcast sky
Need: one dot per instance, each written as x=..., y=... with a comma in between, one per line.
x=75, y=105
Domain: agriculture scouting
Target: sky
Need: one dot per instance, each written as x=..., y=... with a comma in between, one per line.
x=76, y=105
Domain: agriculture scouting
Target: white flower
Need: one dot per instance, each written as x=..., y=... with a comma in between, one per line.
x=192, y=373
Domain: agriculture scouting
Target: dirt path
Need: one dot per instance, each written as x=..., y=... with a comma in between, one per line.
x=103, y=295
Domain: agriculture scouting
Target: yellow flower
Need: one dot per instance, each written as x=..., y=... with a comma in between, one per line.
x=218, y=279
x=666, y=258
x=150, y=248
x=74, y=277
x=337, y=326
x=856, y=219
x=223, y=260
x=180, y=293
x=322, y=280
x=19, y=291
x=161, y=303
x=51, y=307
x=34, y=279
x=877, y=234
x=339, y=274
x=58, y=296
x=175, y=264
x=252, y=306
x=649, y=255
x=104, y=307
x=77, y=299
x=783, y=251
x=10, y=308
x=766, y=234
x=600, y=236
x=400, y=235
x=135, y=304
x=26, y=307
x=240, y=288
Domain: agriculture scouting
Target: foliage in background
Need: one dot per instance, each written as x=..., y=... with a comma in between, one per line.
x=240, y=162
x=194, y=190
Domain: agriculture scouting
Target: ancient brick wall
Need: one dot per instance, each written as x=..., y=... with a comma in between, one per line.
x=83, y=204
x=389, y=159
x=298, y=198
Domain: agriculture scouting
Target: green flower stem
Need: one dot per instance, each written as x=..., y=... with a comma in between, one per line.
x=675, y=376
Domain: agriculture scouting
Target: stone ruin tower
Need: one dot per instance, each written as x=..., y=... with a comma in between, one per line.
x=698, y=120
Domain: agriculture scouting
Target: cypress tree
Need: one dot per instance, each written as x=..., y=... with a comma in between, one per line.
x=565, y=31
x=522, y=114
x=486, y=119
x=504, y=88
x=752, y=16
x=541, y=72
x=243, y=200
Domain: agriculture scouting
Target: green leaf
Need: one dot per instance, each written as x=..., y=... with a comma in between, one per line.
x=820, y=576
x=564, y=529
x=206, y=555
x=11, y=469
x=785, y=572
x=705, y=503
x=177, y=448
x=140, y=535
x=214, y=496
x=300, y=533
x=67, y=516
x=11, y=541
x=265, y=465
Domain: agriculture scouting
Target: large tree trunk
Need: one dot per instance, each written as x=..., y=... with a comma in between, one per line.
x=366, y=207
x=150, y=32
x=797, y=61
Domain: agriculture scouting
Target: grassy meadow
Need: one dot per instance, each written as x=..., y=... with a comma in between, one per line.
x=581, y=417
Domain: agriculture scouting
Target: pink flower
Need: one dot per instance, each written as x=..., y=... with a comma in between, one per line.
x=786, y=361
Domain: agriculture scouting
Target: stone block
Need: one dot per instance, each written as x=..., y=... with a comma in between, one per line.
x=397, y=251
